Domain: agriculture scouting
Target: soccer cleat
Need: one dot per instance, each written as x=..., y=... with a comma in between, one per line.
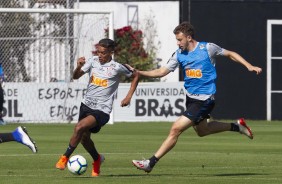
x=62, y=163
x=21, y=136
x=2, y=122
x=142, y=165
x=244, y=129
x=96, y=165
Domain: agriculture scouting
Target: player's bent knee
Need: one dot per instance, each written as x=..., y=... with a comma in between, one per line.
x=79, y=128
x=175, y=132
x=202, y=133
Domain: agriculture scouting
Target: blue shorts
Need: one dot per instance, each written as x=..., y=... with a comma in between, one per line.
x=101, y=117
x=198, y=110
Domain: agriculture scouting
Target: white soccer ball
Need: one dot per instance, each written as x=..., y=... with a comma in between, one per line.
x=77, y=164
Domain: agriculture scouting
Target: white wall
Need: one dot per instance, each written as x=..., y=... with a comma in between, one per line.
x=166, y=18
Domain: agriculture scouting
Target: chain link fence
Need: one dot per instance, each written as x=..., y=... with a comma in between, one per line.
x=40, y=42
x=39, y=45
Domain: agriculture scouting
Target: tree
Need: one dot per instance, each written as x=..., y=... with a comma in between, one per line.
x=130, y=50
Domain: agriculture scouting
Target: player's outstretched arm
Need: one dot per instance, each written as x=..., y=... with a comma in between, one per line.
x=156, y=73
x=77, y=73
x=134, y=83
x=237, y=58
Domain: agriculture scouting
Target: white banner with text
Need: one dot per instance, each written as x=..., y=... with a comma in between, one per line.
x=60, y=102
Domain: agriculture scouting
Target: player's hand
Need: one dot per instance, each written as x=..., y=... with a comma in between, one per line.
x=125, y=102
x=256, y=69
x=80, y=62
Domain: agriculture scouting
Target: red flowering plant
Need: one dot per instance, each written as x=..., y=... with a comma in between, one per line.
x=130, y=50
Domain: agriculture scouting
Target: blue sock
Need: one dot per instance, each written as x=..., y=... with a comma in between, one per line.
x=17, y=136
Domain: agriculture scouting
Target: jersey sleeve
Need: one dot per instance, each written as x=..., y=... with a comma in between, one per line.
x=172, y=63
x=214, y=50
x=125, y=70
x=86, y=67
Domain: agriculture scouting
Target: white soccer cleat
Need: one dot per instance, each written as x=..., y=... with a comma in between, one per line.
x=21, y=136
x=2, y=122
x=244, y=129
x=142, y=165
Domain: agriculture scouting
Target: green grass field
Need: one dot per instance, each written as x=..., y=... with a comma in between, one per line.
x=221, y=158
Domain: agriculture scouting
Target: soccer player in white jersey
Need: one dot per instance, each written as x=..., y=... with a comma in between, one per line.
x=197, y=60
x=97, y=104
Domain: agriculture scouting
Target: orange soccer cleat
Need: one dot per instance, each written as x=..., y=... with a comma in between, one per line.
x=61, y=164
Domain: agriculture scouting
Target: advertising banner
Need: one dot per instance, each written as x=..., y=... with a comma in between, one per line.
x=158, y=101
x=60, y=102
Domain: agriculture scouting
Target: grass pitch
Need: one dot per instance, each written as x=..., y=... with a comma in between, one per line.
x=220, y=158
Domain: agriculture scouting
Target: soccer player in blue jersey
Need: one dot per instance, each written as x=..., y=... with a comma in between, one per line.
x=2, y=122
x=197, y=60
x=105, y=75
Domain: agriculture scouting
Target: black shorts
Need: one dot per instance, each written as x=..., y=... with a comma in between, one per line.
x=101, y=117
x=198, y=110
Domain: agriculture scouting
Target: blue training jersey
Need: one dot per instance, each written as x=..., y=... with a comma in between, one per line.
x=199, y=69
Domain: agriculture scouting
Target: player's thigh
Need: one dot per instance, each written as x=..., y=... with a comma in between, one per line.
x=87, y=123
x=181, y=124
x=198, y=110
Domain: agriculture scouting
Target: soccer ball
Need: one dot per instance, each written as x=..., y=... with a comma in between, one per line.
x=77, y=164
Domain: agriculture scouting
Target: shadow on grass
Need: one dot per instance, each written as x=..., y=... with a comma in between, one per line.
x=240, y=174
x=159, y=175
x=134, y=175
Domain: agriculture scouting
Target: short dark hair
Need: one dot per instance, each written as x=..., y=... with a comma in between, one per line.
x=185, y=28
x=107, y=43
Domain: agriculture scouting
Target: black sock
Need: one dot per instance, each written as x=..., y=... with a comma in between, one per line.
x=69, y=151
x=234, y=127
x=91, y=149
x=94, y=154
x=153, y=161
x=6, y=137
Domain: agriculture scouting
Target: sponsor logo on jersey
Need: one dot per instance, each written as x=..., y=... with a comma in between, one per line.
x=99, y=82
x=194, y=73
x=202, y=46
x=110, y=70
